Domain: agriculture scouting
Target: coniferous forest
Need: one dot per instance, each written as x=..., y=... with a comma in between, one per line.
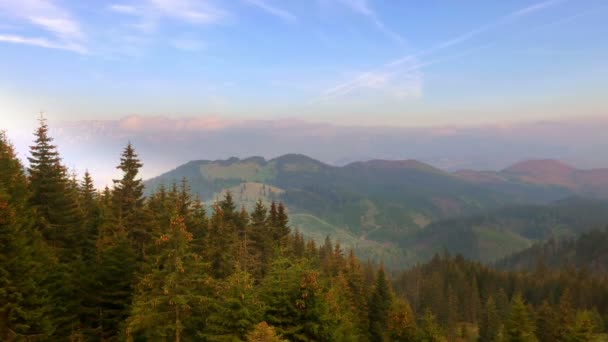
x=78, y=264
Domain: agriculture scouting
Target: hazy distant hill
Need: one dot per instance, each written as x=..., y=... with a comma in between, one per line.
x=376, y=206
x=495, y=234
x=545, y=172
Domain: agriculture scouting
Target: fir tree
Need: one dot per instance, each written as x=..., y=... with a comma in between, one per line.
x=129, y=201
x=379, y=307
x=519, y=326
x=25, y=309
x=489, y=324
x=546, y=323
x=56, y=206
x=175, y=291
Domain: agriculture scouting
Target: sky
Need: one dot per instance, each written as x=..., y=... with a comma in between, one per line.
x=349, y=62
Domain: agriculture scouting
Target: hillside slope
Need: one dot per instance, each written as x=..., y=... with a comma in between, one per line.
x=376, y=205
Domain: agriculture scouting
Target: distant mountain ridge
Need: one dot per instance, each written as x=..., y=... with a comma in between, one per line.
x=372, y=205
x=551, y=172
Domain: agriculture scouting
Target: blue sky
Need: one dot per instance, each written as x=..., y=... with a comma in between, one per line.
x=368, y=62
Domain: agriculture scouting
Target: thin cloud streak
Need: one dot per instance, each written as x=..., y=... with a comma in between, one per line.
x=363, y=8
x=275, y=11
x=42, y=42
x=359, y=81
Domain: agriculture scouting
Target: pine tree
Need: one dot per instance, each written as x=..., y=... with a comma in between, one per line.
x=114, y=281
x=56, y=206
x=489, y=324
x=129, y=201
x=235, y=309
x=429, y=330
x=379, y=307
x=92, y=215
x=221, y=247
x=566, y=315
x=581, y=330
x=25, y=309
x=281, y=228
x=546, y=323
x=519, y=326
x=175, y=291
x=58, y=217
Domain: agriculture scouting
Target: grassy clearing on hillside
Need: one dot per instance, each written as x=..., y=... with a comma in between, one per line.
x=247, y=171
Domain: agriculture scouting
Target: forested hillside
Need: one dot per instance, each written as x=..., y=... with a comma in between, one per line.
x=403, y=212
x=495, y=234
x=77, y=264
x=588, y=251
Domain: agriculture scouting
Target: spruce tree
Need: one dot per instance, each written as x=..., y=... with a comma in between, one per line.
x=25, y=308
x=129, y=201
x=175, y=291
x=59, y=218
x=547, y=323
x=429, y=330
x=489, y=324
x=114, y=281
x=379, y=307
x=520, y=326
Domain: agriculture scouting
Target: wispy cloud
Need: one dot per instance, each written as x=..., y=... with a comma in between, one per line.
x=41, y=42
x=535, y=8
x=65, y=31
x=195, y=12
x=275, y=11
x=409, y=63
x=150, y=12
x=362, y=7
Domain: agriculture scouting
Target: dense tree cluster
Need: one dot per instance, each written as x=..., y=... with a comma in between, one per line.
x=543, y=304
x=79, y=264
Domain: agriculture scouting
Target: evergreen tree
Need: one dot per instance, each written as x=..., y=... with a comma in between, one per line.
x=174, y=292
x=264, y=333
x=581, y=329
x=56, y=206
x=519, y=326
x=489, y=325
x=429, y=330
x=234, y=311
x=129, y=201
x=114, y=288
x=546, y=323
x=566, y=315
x=379, y=306
x=25, y=309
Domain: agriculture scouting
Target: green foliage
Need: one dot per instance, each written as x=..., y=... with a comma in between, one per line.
x=490, y=326
x=25, y=308
x=175, y=289
x=379, y=306
x=263, y=333
x=519, y=326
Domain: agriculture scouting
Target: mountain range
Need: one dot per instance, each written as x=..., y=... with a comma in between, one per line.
x=401, y=211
